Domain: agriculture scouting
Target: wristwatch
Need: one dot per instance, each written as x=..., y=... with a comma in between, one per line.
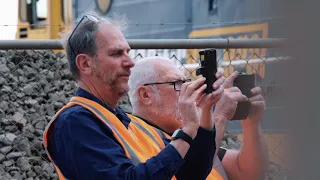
x=179, y=134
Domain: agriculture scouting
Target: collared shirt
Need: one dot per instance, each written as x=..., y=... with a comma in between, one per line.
x=84, y=148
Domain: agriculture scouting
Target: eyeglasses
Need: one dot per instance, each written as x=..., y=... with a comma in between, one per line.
x=91, y=18
x=176, y=84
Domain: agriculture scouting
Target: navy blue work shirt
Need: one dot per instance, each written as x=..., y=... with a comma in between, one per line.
x=84, y=148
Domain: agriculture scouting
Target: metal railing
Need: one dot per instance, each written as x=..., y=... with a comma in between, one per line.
x=159, y=43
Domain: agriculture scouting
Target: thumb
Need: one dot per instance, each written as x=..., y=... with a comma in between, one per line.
x=229, y=81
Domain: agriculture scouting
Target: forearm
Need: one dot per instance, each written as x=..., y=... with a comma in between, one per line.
x=161, y=166
x=207, y=120
x=253, y=157
x=199, y=159
x=210, y=120
x=112, y=164
x=181, y=146
x=220, y=125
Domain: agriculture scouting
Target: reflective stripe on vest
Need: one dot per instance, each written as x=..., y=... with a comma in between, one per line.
x=219, y=168
x=139, y=141
x=161, y=133
x=128, y=149
x=142, y=126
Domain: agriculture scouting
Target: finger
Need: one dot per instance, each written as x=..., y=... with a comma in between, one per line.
x=229, y=81
x=256, y=91
x=184, y=87
x=258, y=104
x=232, y=89
x=219, y=73
x=194, y=86
x=198, y=93
x=212, y=98
x=203, y=100
x=218, y=82
x=216, y=95
x=256, y=98
x=239, y=97
x=218, y=92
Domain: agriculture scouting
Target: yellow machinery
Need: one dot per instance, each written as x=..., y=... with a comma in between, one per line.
x=43, y=19
x=247, y=31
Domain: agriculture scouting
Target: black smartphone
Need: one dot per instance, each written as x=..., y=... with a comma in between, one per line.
x=245, y=82
x=208, y=69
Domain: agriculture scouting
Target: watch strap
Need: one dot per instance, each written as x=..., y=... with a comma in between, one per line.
x=179, y=134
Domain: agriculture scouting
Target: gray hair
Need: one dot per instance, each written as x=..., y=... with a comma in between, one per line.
x=143, y=72
x=83, y=39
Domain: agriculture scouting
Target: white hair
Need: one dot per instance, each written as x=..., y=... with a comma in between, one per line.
x=144, y=72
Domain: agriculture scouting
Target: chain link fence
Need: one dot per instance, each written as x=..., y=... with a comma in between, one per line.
x=34, y=84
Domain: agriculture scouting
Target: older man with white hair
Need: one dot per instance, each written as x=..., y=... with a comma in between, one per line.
x=154, y=85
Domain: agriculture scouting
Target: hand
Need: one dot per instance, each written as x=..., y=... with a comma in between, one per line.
x=189, y=93
x=229, y=81
x=207, y=101
x=257, y=105
x=227, y=105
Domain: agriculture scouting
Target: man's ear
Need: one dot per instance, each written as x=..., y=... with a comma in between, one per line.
x=84, y=64
x=144, y=95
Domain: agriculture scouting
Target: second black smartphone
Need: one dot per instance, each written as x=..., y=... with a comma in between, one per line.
x=245, y=82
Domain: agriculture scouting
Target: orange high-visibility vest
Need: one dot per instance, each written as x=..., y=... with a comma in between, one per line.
x=214, y=175
x=140, y=141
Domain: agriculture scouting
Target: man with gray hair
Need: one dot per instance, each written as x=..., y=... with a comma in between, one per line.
x=154, y=92
x=92, y=138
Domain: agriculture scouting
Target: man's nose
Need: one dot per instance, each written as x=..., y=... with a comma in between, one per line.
x=130, y=63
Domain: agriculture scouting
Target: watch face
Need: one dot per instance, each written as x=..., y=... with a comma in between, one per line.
x=175, y=133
